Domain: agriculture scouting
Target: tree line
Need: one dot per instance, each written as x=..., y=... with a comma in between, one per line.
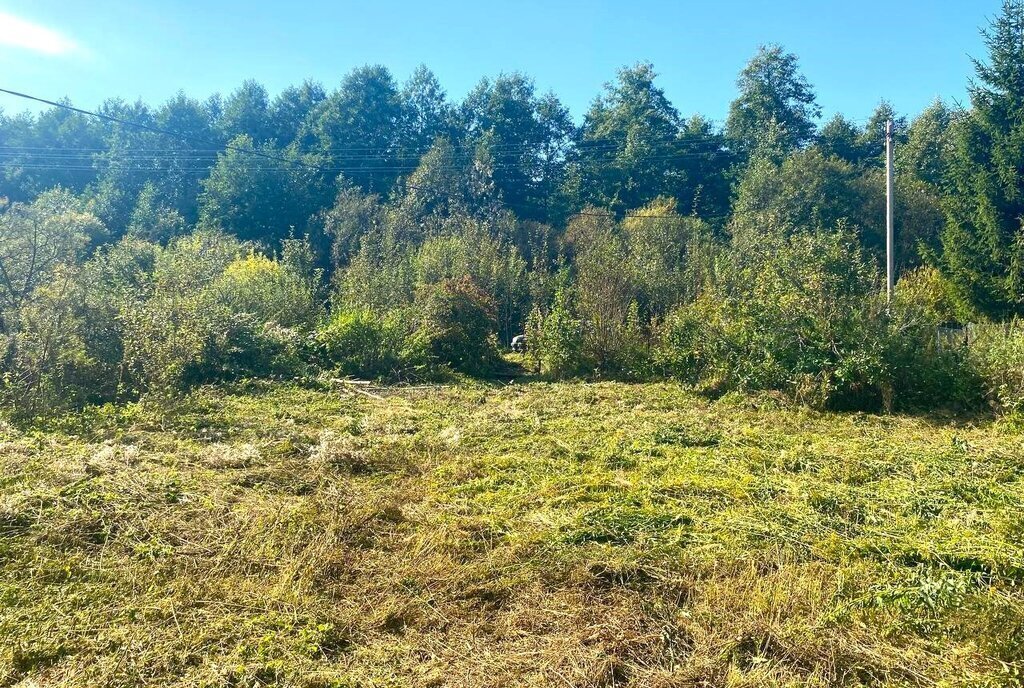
x=386, y=231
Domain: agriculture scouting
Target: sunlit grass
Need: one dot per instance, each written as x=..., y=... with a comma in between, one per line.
x=524, y=534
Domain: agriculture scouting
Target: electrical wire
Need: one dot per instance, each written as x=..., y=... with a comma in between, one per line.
x=246, y=151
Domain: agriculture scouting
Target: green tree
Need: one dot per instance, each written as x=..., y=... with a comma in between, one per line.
x=123, y=171
x=776, y=107
x=520, y=137
x=871, y=142
x=426, y=113
x=28, y=156
x=134, y=158
x=35, y=240
x=926, y=154
x=290, y=109
x=440, y=187
x=839, y=139
x=629, y=143
x=810, y=191
x=178, y=179
x=153, y=221
x=356, y=130
x=342, y=226
x=806, y=191
x=983, y=241
x=245, y=111
x=261, y=199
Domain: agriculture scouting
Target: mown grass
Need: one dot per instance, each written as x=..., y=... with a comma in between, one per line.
x=509, y=535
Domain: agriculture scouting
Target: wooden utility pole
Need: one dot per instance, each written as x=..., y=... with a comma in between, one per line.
x=890, y=248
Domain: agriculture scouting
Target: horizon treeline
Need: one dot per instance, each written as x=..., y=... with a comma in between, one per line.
x=503, y=148
x=409, y=231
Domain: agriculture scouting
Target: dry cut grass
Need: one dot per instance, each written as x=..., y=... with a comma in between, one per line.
x=524, y=535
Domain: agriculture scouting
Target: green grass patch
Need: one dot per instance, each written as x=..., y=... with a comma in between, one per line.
x=524, y=534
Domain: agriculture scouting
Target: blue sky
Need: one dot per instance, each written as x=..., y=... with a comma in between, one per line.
x=853, y=53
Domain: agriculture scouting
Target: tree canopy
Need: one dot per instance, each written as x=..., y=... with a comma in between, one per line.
x=374, y=161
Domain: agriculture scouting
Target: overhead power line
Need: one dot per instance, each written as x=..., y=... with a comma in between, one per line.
x=190, y=156
x=96, y=160
x=146, y=127
x=586, y=144
x=246, y=151
x=709, y=145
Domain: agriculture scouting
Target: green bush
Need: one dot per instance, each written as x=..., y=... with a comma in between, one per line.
x=219, y=311
x=631, y=357
x=493, y=265
x=804, y=314
x=788, y=313
x=239, y=345
x=927, y=292
x=555, y=340
x=174, y=332
x=138, y=318
x=268, y=290
x=48, y=365
x=679, y=350
x=996, y=353
x=362, y=344
x=459, y=323
x=925, y=371
x=44, y=359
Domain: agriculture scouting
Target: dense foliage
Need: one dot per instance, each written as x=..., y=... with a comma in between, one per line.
x=381, y=230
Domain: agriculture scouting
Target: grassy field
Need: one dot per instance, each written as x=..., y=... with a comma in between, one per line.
x=509, y=535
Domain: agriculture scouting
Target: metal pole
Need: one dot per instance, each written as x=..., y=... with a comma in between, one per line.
x=890, y=249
